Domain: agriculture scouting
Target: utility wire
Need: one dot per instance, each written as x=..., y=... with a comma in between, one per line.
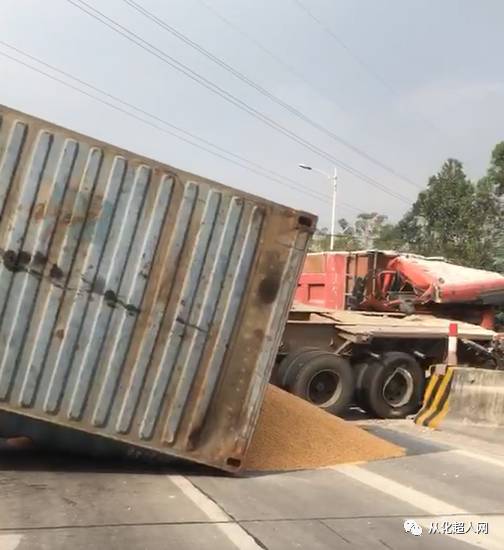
x=364, y=64
x=244, y=78
x=184, y=69
x=254, y=168
x=299, y=185
x=288, y=67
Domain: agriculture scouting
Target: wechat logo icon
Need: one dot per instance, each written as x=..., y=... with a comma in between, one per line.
x=411, y=526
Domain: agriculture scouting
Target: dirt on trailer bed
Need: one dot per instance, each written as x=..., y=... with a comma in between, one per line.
x=292, y=434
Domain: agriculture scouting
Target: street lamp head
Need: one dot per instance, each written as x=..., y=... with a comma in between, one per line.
x=305, y=166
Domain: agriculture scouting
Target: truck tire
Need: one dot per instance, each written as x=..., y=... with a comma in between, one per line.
x=394, y=386
x=360, y=370
x=289, y=363
x=325, y=380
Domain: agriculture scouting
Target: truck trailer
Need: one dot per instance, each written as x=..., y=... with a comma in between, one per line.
x=366, y=326
x=141, y=306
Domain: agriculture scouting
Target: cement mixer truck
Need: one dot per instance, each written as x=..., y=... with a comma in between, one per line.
x=366, y=326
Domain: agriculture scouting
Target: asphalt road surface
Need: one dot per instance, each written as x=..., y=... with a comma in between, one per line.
x=450, y=484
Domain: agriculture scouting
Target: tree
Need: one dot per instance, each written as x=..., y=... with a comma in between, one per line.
x=494, y=182
x=369, y=230
x=455, y=218
x=363, y=233
x=320, y=240
x=390, y=238
x=452, y=217
x=495, y=173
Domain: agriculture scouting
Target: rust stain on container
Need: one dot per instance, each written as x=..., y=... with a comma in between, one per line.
x=138, y=302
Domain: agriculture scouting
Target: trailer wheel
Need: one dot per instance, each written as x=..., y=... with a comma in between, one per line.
x=290, y=364
x=360, y=370
x=394, y=386
x=325, y=380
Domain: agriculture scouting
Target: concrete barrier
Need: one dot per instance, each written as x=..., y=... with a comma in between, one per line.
x=476, y=397
x=436, y=397
x=463, y=396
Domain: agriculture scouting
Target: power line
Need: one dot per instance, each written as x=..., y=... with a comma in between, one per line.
x=254, y=168
x=187, y=71
x=244, y=78
x=263, y=48
x=184, y=69
x=364, y=64
x=295, y=183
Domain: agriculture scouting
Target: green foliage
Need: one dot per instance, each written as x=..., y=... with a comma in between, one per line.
x=496, y=171
x=364, y=231
x=389, y=238
x=321, y=241
x=362, y=234
x=455, y=218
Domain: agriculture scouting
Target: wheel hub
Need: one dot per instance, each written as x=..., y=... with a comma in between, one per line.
x=324, y=388
x=398, y=388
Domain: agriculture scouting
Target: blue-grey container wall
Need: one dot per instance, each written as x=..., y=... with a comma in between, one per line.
x=138, y=302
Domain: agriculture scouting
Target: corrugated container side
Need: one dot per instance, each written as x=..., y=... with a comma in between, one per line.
x=137, y=301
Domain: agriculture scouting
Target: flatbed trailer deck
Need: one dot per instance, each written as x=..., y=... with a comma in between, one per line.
x=379, y=360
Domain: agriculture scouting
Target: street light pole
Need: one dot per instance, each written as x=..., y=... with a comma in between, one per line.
x=333, y=210
x=334, y=180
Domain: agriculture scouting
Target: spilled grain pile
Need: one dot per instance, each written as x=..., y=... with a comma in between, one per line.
x=291, y=434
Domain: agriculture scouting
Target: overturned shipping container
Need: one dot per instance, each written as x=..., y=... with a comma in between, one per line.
x=138, y=302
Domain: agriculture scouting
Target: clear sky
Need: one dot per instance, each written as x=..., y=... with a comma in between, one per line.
x=408, y=83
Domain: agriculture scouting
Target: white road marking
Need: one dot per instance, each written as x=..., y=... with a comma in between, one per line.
x=239, y=537
x=10, y=542
x=233, y=531
x=478, y=456
x=418, y=499
x=213, y=512
x=441, y=510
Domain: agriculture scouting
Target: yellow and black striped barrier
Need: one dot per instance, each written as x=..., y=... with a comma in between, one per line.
x=436, y=399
